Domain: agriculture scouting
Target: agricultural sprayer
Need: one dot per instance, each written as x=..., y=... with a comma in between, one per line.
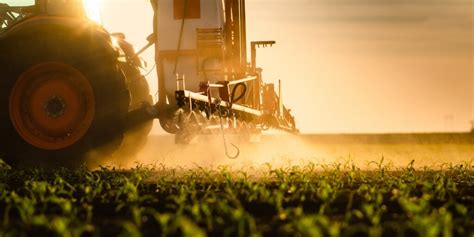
x=69, y=87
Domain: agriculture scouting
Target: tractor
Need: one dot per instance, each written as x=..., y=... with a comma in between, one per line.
x=72, y=93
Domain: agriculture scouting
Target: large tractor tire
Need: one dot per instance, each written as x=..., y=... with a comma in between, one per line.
x=62, y=95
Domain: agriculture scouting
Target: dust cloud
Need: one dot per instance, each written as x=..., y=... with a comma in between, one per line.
x=280, y=151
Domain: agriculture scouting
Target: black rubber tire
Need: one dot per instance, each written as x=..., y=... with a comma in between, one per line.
x=88, y=51
x=168, y=120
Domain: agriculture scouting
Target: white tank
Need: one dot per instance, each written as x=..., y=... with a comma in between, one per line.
x=196, y=38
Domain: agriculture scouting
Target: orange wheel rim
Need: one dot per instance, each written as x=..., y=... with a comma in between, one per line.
x=52, y=105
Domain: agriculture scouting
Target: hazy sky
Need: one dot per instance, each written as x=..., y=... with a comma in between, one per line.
x=355, y=65
x=371, y=65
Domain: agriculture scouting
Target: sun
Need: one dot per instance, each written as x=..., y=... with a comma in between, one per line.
x=92, y=9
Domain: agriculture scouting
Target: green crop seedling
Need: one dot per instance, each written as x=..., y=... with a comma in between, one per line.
x=339, y=200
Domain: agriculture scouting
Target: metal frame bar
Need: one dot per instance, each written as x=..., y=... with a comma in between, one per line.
x=247, y=79
x=212, y=100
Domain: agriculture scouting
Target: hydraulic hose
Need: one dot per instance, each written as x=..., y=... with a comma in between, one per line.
x=234, y=90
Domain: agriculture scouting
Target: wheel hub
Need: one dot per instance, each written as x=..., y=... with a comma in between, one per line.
x=52, y=105
x=55, y=106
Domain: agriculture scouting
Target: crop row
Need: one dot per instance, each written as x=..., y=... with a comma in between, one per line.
x=295, y=201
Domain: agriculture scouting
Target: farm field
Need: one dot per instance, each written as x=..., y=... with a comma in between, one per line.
x=196, y=118
x=326, y=197
x=398, y=150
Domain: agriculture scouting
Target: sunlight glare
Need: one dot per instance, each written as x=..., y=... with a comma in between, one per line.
x=92, y=9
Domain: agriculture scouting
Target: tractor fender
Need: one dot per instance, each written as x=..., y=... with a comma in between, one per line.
x=80, y=25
